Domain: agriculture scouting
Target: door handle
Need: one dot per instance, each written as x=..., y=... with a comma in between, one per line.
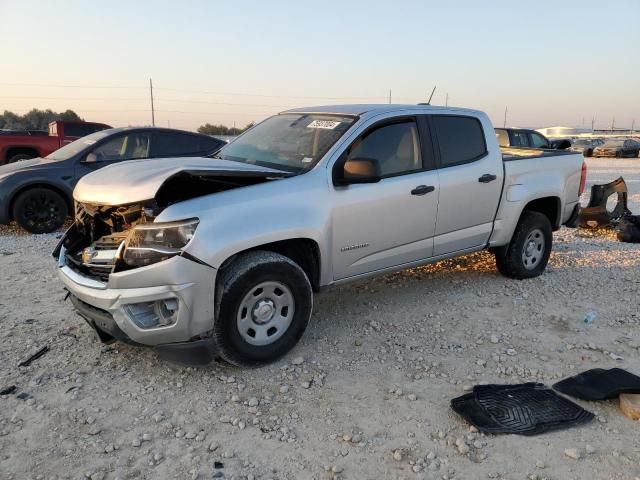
x=487, y=177
x=422, y=189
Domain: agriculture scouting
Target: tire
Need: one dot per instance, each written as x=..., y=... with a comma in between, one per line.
x=588, y=153
x=528, y=253
x=246, y=291
x=40, y=210
x=19, y=157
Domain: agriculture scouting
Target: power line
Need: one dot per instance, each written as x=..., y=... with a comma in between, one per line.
x=141, y=99
x=205, y=92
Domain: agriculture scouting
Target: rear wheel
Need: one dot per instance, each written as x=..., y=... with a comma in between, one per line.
x=588, y=153
x=40, y=210
x=19, y=157
x=264, y=302
x=528, y=253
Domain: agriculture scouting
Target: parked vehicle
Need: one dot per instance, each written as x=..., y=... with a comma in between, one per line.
x=585, y=145
x=520, y=137
x=37, y=193
x=618, y=148
x=199, y=257
x=22, y=145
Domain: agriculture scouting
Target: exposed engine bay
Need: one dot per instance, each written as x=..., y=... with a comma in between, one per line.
x=95, y=244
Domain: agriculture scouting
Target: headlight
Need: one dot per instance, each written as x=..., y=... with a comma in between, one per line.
x=155, y=242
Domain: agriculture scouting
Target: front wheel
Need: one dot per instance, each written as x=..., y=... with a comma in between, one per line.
x=264, y=302
x=40, y=210
x=528, y=253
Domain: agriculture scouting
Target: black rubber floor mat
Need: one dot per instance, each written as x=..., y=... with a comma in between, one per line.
x=599, y=384
x=525, y=409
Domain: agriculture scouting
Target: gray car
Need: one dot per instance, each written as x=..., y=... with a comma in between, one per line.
x=37, y=193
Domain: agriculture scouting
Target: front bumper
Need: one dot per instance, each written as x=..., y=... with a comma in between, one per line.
x=190, y=283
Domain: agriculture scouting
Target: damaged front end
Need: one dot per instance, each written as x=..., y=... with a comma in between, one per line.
x=106, y=239
x=94, y=245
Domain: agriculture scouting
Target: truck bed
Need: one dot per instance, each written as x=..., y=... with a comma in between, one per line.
x=521, y=153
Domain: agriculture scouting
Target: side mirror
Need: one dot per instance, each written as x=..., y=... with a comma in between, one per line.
x=91, y=158
x=560, y=144
x=358, y=170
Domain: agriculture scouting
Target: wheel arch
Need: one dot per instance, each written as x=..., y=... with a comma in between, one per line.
x=548, y=206
x=17, y=150
x=14, y=196
x=305, y=252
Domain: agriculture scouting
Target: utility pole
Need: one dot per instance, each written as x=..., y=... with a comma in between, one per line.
x=446, y=100
x=613, y=123
x=153, y=113
x=504, y=125
x=389, y=95
x=593, y=121
x=633, y=124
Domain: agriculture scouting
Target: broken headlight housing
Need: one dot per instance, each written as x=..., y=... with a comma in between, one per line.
x=150, y=243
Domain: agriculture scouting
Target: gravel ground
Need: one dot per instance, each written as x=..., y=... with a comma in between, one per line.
x=364, y=395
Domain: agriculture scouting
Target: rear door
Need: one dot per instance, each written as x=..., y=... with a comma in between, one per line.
x=470, y=182
x=392, y=222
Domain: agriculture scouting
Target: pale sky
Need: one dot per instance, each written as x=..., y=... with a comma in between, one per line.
x=549, y=62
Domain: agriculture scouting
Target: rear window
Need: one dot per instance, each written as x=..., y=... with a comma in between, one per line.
x=461, y=139
x=80, y=129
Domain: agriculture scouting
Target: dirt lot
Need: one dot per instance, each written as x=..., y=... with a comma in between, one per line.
x=365, y=394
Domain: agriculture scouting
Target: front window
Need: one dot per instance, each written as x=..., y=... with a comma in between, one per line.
x=293, y=142
x=125, y=147
x=73, y=148
x=538, y=141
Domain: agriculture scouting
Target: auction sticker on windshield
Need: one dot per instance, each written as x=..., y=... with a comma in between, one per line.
x=326, y=124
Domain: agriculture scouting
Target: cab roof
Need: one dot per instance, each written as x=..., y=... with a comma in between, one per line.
x=378, y=108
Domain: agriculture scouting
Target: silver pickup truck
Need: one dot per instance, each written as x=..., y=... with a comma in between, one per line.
x=206, y=257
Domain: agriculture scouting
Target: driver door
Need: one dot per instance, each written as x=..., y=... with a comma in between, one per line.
x=392, y=222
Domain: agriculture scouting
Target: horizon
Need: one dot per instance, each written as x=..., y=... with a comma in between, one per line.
x=325, y=55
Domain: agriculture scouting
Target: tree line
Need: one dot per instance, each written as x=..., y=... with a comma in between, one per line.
x=209, y=129
x=35, y=119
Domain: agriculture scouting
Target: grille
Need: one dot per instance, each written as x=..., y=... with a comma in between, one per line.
x=100, y=273
x=97, y=271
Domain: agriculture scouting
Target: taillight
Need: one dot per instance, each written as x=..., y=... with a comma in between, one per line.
x=583, y=178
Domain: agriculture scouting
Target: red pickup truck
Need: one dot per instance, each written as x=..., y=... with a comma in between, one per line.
x=15, y=146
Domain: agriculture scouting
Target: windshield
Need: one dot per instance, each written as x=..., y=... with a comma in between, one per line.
x=293, y=142
x=613, y=143
x=73, y=148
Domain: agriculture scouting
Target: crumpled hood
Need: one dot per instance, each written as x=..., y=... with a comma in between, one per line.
x=139, y=180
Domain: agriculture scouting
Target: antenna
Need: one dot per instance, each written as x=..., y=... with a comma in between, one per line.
x=153, y=113
x=431, y=96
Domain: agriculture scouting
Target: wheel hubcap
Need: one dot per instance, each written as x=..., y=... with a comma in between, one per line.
x=265, y=313
x=533, y=249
